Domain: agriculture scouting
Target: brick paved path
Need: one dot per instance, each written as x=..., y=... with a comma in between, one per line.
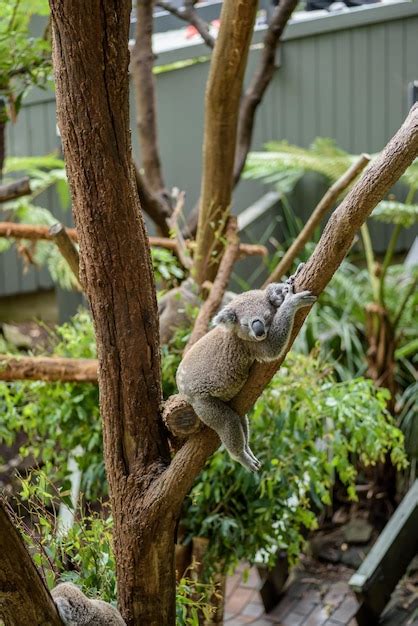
x=314, y=598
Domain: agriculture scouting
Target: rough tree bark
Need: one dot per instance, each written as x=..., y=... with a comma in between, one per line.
x=24, y=598
x=223, y=93
x=90, y=55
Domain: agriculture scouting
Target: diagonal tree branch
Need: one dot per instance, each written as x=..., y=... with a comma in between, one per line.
x=316, y=274
x=189, y=14
x=24, y=597
x=323, y=206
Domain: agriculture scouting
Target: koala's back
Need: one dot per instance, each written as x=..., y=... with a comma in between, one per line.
x=217, y=365
x=75, y=609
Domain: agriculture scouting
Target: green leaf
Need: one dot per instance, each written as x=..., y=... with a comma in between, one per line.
x=391, y=212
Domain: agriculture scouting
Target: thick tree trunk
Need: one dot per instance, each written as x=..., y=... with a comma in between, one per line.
x=90, y=54
x=24, y=598
x=223, y=93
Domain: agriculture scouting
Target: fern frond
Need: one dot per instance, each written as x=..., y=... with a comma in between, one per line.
x=30, y=163
x=323, y=157
x=391, y=212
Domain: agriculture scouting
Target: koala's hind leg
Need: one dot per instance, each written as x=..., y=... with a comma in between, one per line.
x=246, y=429
x=223, y=420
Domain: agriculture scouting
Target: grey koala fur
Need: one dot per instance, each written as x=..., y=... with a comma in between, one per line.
x=254, y=326
x=75, y=609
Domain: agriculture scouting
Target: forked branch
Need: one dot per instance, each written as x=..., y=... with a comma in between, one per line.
x=189, y=14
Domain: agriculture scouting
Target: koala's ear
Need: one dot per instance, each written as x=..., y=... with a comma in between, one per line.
x=226, y=316
x=275, y=294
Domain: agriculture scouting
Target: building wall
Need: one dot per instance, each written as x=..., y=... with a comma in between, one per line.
x=341, y=75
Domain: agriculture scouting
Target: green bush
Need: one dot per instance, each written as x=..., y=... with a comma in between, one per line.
x=306, y=428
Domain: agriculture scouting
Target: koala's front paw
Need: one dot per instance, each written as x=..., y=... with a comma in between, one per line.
x=304, y=298
x=275, y=294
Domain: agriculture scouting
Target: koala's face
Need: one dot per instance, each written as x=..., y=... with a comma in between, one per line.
x=248, y=315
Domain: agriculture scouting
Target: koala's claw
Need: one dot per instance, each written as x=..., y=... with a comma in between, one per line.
x=248, y=461
x=292, y=278
x=306, y=298
x=254, y=458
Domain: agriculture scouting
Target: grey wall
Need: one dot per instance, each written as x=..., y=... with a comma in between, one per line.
x=344, y=76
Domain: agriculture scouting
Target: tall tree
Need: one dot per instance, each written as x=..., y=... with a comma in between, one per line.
x=147, y=487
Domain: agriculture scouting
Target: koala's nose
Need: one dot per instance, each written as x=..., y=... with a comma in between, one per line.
x=258, y=328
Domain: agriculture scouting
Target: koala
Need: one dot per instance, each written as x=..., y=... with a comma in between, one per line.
x=75, y=609
x=254, y=326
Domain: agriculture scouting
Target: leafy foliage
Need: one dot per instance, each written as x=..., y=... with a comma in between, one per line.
x=284, y=164
x=48, y=172
x=392, y=212
x=59, y=417
x=314, y=426
x=83, y=553
x=24, y=60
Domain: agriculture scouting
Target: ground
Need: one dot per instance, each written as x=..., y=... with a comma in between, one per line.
x=317, y=595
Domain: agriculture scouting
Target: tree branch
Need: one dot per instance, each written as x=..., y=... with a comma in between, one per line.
x=335, y=242
x=49, y=369
x=217, y=291
x=324, y=205
x=189, y=14
x=259, y=82
x=223, y=93
x=142, y=64
x=173, y=222
x=14, y=190
x=24, y=598
x=67, y=248
x=10, y=230
x=154, y=204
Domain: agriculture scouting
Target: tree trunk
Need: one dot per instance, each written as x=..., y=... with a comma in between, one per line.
x=90, y=54
x=223, y=93
x=24, y=598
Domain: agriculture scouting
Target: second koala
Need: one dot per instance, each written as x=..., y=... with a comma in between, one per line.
x=254, y=326
x=75, y=609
